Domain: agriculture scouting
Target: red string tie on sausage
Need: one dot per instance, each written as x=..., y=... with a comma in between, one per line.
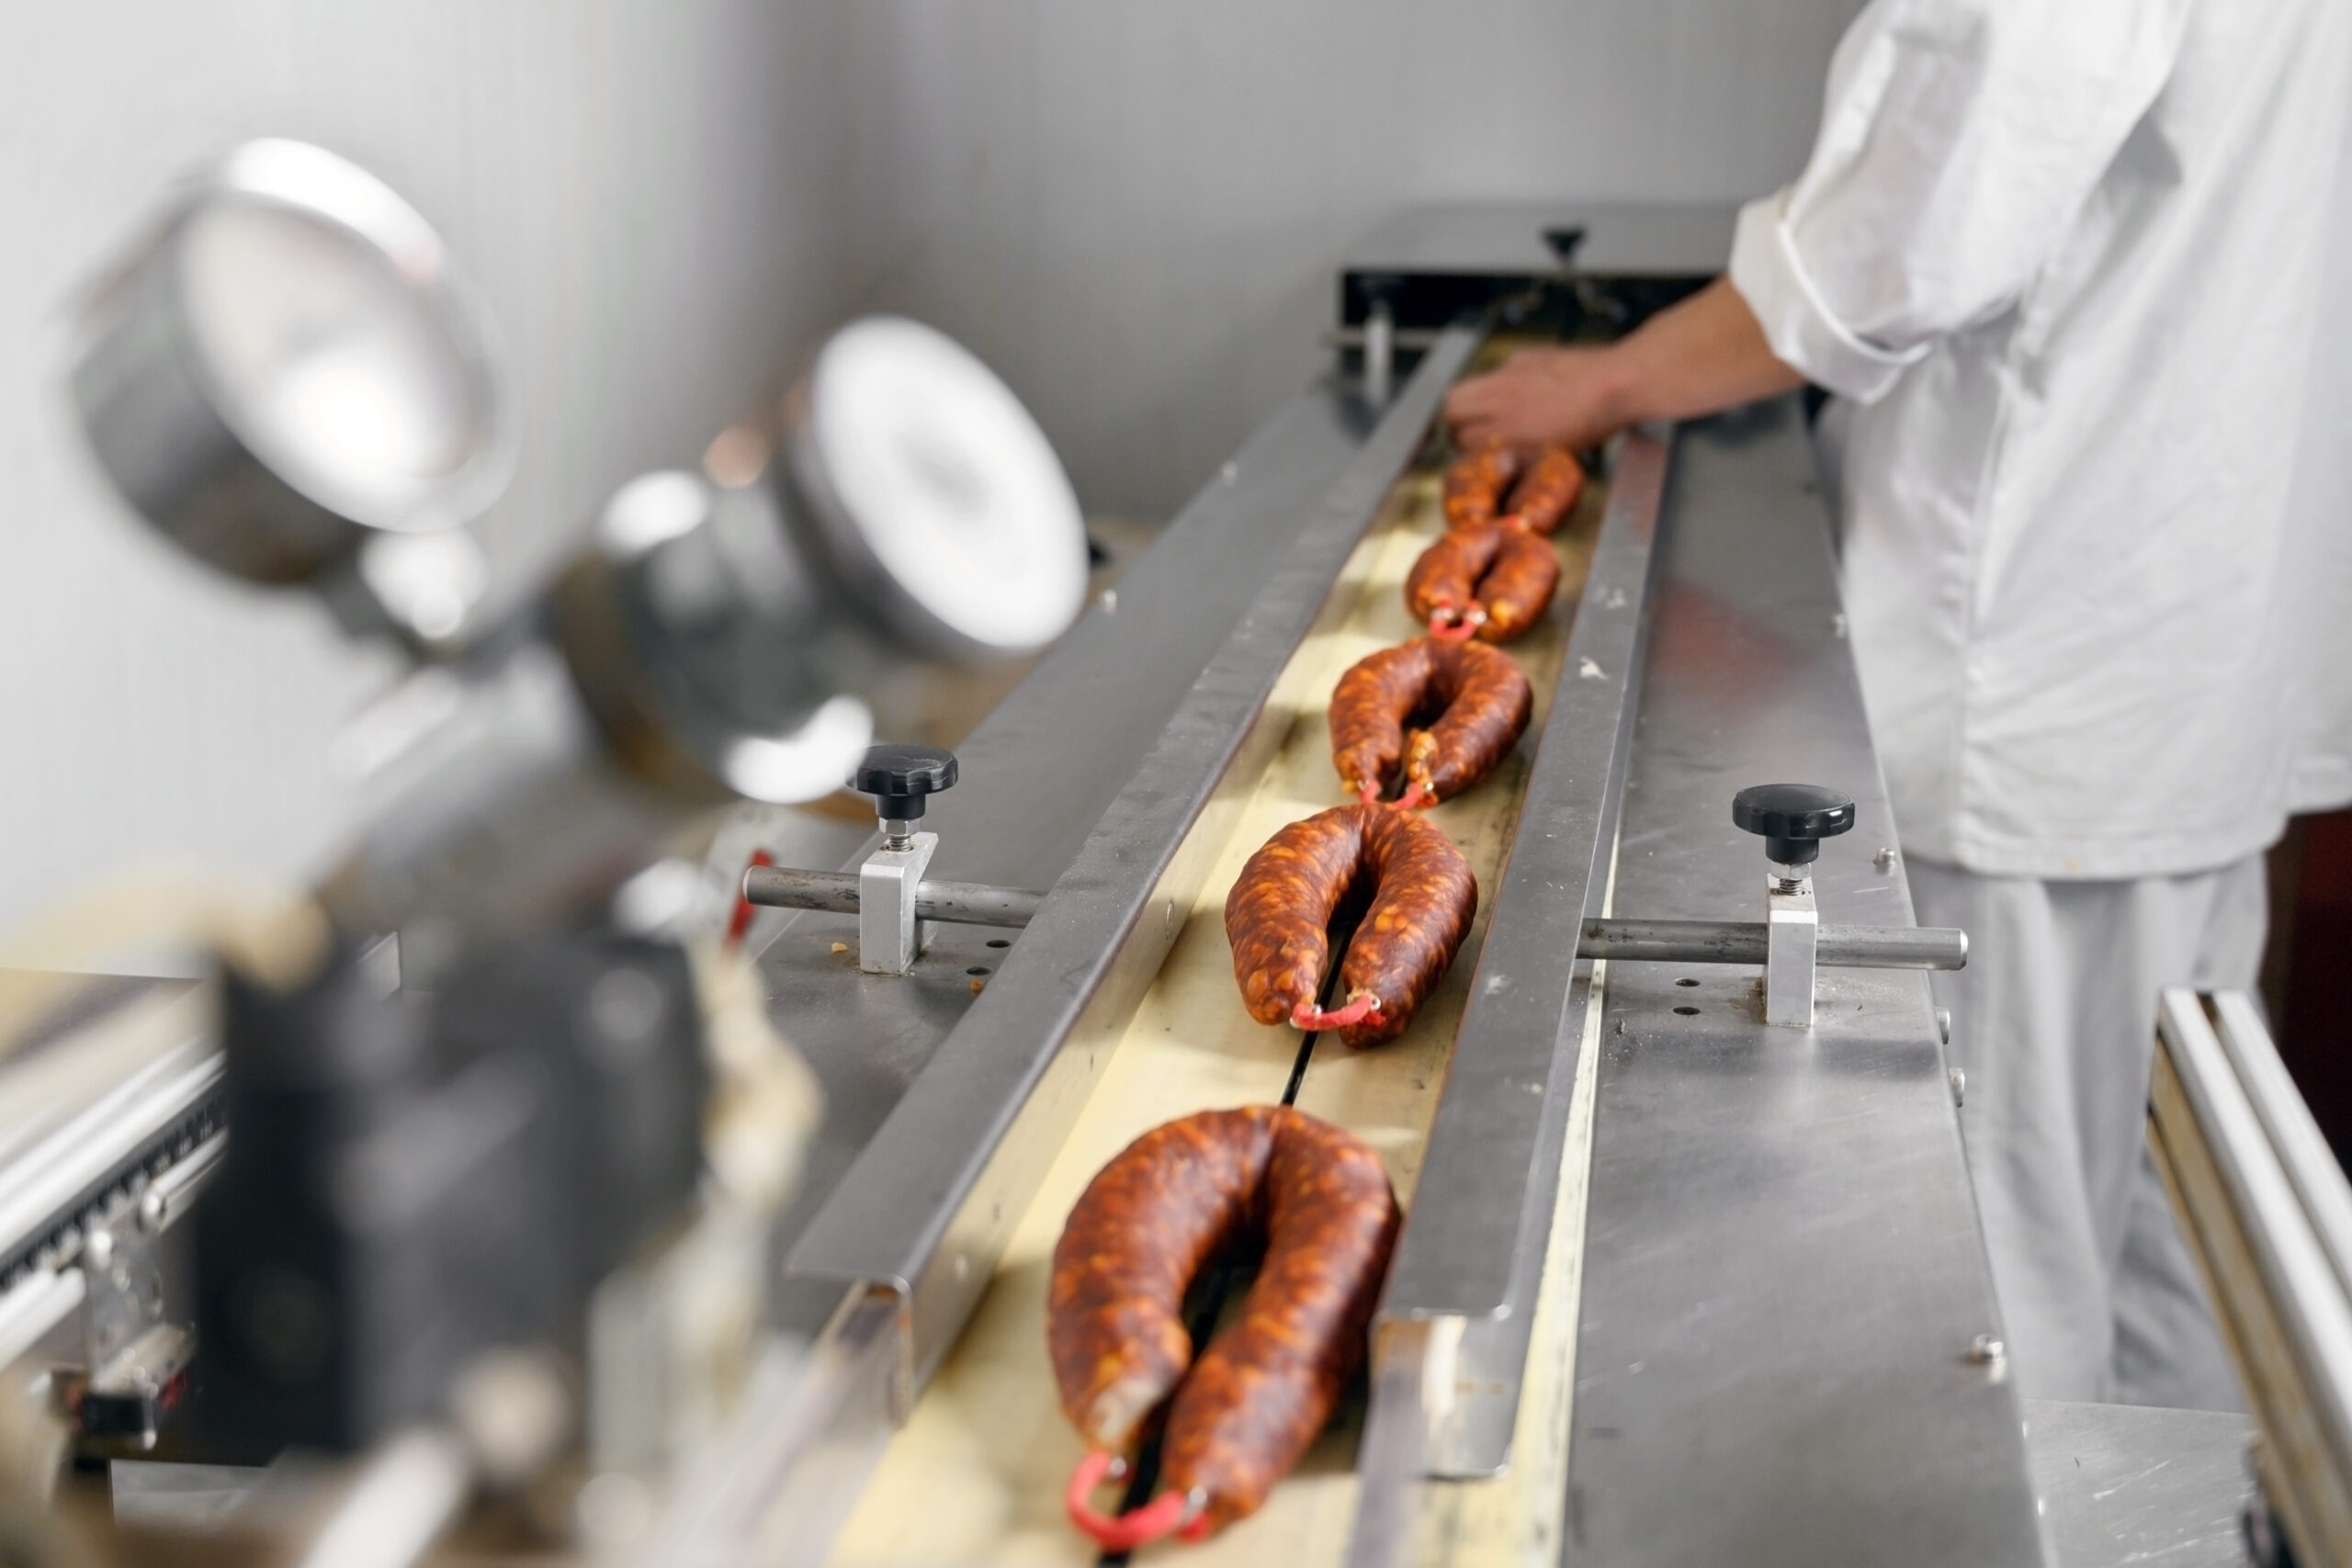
x=1360, y=1006
x=1171, y=1513
x=1450, y=624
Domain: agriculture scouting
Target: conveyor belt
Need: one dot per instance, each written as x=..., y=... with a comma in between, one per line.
x=975, y=1474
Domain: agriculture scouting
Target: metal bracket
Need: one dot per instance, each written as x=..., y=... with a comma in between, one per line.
x=1792, y=927
x=890, y=936
x=136, y=1358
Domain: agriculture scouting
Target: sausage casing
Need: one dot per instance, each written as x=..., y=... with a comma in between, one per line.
x=1471, y=702
x=1475, y=483
x=1495, y=578
x=1158, y=1213
x=1266, y=1385
x=1553, y=483
x=1421, y=897
x=1149, y=1222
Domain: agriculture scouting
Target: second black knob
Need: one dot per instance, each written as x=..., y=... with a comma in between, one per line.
x=1792, y=817
x=901, y=777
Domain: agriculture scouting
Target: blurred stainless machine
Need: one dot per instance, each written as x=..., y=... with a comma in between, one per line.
x=490, y=1131
x=507, y=1211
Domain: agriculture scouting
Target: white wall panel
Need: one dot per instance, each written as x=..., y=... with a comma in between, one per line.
x=1134, y=208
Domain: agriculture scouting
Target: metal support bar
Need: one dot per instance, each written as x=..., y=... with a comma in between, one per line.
x=959, y=903
x=1745, y=941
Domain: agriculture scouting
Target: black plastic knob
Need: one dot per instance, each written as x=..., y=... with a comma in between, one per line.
x=1793, y=819
x=900, y=777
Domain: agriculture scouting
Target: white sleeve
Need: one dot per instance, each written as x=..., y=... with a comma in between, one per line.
x=1959, y=141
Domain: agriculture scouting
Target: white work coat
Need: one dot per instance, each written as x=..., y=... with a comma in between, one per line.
x=2078, y=263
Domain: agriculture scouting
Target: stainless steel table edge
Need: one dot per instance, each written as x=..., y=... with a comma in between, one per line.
x=928, y=1206
x=1784, y=1284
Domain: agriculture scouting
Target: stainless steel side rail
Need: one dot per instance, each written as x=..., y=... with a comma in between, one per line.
x=926, y=1210
x=1462, y=1290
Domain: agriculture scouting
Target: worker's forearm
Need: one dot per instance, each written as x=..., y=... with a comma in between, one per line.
x=1702, y=356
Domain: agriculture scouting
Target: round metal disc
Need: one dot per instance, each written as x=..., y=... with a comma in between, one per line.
x=288, y=366
x=934, y=492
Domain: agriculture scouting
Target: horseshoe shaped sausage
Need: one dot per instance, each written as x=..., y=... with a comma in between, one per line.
x=1421, y=895
x=1248, y=1406
x=1475, y=483
x=1443, y=714
x=1490, y=581
x=1550, y=489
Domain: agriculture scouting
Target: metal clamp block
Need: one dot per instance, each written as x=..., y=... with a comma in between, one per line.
x=1793, y=930
x=890, y=935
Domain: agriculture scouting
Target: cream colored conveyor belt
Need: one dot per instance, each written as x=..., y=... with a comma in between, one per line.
x=976, y=1475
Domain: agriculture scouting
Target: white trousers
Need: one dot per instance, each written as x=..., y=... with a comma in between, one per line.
x=2055, y=1023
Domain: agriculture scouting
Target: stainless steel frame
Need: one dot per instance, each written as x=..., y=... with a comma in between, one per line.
x=1782, y=1274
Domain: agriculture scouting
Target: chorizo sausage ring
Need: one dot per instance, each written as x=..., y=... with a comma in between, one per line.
x=1443, y=714
x=1420, y=897
x=1248, y=1405
x=1475, y=483
x=1490, y=581
x=1553, y=483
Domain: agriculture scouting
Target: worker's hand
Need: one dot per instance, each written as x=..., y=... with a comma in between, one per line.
x=1566, y=395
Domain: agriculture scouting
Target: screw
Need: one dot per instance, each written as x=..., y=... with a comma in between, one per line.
x=1985, y=1350
x=97, y=1249
x=153, y=1211
x=1883, y=860
x=1958, y=1085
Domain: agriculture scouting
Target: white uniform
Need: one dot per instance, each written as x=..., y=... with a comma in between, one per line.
x=2074, y=263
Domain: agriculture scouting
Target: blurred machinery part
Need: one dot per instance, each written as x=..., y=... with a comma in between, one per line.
x=493, y=1168
x=2269, y=1215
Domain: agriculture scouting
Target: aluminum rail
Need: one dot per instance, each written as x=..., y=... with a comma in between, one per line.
x=1742, y=942
x=2265, y=1207
x=1470, y=1260
x=960, y=903
x=927, y=1208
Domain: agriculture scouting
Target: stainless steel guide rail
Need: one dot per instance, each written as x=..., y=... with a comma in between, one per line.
x=1472, y=1251
x=925, y=1211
